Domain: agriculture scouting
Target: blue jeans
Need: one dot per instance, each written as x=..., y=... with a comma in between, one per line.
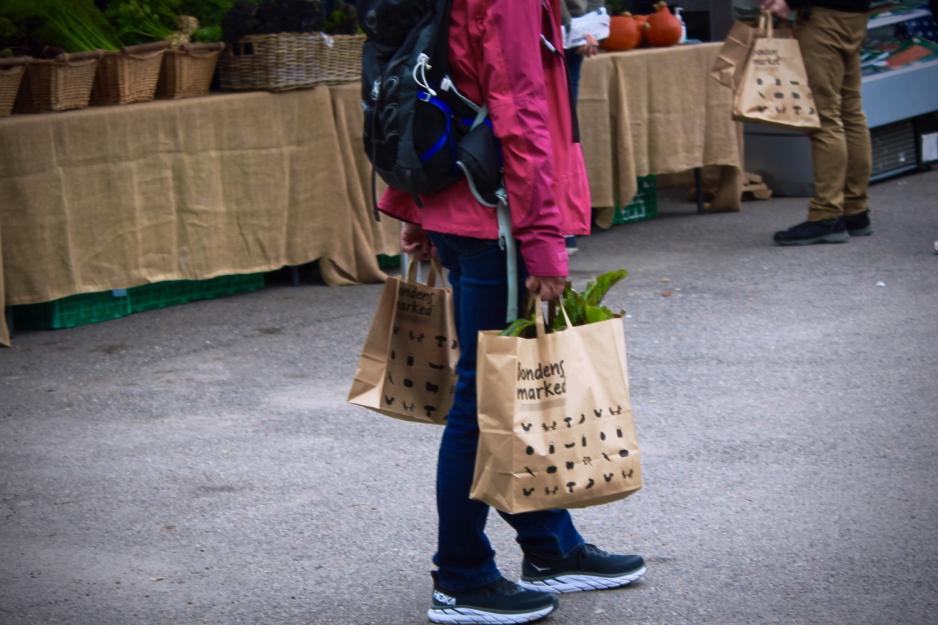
x=464, y=557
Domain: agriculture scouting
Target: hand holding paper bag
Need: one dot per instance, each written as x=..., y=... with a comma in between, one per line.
x=555, y=419
x=407, y=369
x=768, y=76
x=774, y=86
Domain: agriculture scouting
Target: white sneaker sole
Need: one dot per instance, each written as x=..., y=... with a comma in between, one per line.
x=470, y=616
x=580, y=583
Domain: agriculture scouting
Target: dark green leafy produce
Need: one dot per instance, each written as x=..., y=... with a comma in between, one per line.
x=9, y=37
x=289, y=16
x=8, y=29
x=239, y=21
x=343, y=20
x=582, y=308
x=208, y=34
x=72, y=25
x=142, y=21
x=210, y=14
x=258, y=17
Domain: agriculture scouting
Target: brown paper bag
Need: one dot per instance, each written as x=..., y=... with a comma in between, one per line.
x=729, y=64
x=407, y=368
x=555, y=419
x=773, y=88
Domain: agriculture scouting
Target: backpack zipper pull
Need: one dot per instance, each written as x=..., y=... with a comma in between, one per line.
x=420, y=72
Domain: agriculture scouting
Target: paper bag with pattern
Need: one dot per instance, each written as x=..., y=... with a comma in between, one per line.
x=555, y=419
x=773, y=88
x=407, y=368
x=729, y=64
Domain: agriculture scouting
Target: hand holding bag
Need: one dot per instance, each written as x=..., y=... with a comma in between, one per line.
x=773, y=88
x=555, y=418
x=407, y=369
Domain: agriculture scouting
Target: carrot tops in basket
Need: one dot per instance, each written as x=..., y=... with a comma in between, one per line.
x=142, y=21
x=70, y=26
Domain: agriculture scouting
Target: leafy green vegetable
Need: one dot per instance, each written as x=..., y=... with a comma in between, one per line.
x=342, y=20
x=519, y=327
x=210, y=13
x=582, y=308
x=596, y=291
x=74, y=25
x=8, y=29
x=208, y=34
x=142, y=21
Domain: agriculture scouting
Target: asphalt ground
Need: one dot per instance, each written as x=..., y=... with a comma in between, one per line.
x=199, y=464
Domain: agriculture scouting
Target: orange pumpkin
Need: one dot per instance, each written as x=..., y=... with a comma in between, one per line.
x=624, y=33
x=664, y=27
x=642, y=21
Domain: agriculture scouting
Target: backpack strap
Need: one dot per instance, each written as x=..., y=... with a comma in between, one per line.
x=507, y=242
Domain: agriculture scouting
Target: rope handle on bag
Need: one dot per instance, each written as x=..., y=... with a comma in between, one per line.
x=435, y=270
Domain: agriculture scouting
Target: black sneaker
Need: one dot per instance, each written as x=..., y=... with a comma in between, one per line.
x=588, y=568
x=858, y=225
x=808, y=232
x=501, y=602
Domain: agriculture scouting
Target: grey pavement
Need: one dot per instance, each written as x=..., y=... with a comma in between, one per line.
x=199, y=464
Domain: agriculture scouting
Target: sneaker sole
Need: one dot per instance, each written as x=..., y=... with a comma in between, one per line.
x=580, y=583
x=833, y=237
x=471, y=616
x=861, y=232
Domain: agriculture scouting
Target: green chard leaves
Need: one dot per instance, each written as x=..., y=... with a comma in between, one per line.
x=582, y=308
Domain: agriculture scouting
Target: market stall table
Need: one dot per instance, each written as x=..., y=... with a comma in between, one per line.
x=113, y=197
x=656, y=111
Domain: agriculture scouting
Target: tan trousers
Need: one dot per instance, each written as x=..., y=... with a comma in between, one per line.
x=843, y=160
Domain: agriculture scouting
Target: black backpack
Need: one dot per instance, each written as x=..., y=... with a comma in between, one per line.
x=420, y=134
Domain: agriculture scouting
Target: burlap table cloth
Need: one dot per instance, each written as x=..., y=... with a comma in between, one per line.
x=113, y=197
x=656, y=111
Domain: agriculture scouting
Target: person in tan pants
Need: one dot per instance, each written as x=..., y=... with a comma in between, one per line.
x=830, y=33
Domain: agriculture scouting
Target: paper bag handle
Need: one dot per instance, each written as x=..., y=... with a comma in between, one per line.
x=765, y=24
x=435, y=270
x=539, y=315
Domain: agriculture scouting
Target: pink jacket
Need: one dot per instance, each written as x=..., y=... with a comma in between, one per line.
x=497, y=58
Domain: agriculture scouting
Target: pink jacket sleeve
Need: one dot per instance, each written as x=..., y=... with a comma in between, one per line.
x=513, y=79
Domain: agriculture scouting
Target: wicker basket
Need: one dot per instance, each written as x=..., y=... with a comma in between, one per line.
x=58, y=84
x=188, y=70
x=129, y=75
x=11, y=75
x=283, y=61
x=341, y=58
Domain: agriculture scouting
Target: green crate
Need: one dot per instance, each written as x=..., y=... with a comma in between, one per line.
x=389, y=262
x=643, y=206
x=173, y=292
x=223, y=286
x=161, y=295
x=72, y=311
x=85, y=308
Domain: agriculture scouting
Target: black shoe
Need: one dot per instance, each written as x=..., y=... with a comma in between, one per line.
x=501, y=602
x=808, y=232
x=858, y=225
x=588, y=568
